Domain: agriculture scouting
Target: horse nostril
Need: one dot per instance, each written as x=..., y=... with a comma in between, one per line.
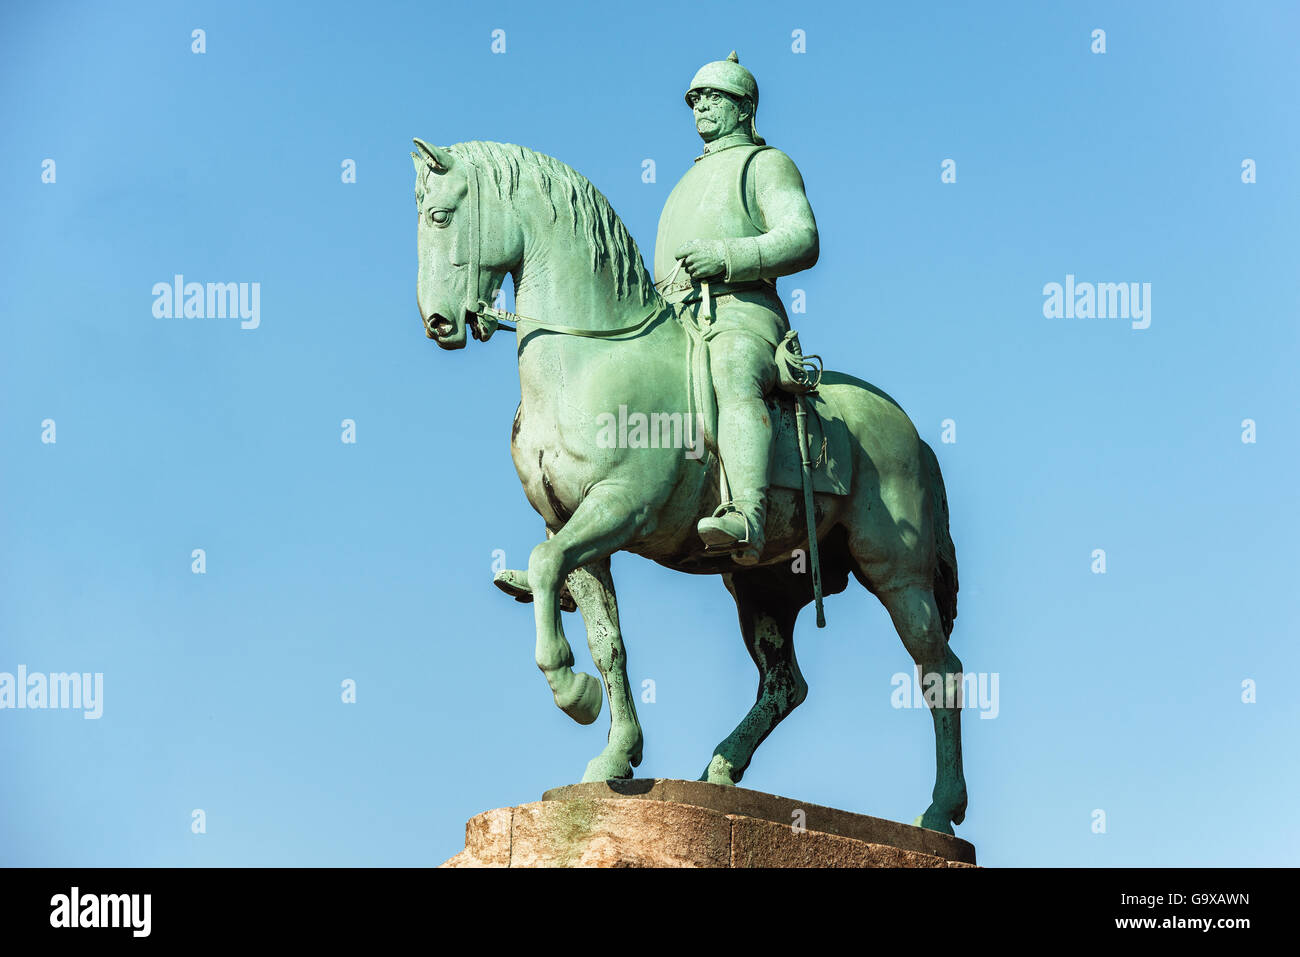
x=441, y=325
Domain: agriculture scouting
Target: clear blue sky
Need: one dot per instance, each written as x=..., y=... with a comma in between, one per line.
x=372, y=561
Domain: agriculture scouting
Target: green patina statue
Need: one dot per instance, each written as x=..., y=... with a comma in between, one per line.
x=644, y=403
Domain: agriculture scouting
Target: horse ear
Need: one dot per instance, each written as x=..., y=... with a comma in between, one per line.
x=435, y=156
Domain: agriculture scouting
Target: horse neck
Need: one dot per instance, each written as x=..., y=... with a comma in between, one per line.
x=554, y=281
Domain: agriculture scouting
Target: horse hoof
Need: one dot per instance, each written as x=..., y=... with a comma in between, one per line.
x=719, y=772
x=515, y=584
x=582, y=702
x=612, y=767
x=935, y=820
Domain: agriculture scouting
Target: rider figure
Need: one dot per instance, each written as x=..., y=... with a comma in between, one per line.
x=737, y=220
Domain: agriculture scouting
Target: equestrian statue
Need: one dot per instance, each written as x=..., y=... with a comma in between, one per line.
x=756, y=465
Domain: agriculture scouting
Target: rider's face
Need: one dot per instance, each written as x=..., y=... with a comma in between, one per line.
x=716, y=114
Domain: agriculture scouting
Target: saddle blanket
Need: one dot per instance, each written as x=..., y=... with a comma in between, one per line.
x=828, y=445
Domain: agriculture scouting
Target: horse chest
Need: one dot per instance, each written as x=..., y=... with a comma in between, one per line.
x=539, y=460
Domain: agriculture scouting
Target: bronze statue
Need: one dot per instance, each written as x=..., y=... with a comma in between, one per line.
x=595, y=338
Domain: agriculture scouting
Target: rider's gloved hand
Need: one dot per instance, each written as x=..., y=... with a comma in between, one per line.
x=704, y=259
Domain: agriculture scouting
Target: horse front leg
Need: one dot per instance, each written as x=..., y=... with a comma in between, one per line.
x=592, y=588
x=601, y=525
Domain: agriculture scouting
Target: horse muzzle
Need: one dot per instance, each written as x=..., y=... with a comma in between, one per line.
x=446, y=333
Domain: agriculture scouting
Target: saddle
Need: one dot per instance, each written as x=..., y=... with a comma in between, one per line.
x=828, y=435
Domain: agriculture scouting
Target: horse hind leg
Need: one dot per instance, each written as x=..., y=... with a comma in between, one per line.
x=767, y=616
x=904, y=555
x=592, y=588
x=916, y=617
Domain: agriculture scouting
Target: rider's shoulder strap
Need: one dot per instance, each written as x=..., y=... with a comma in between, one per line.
x=741, y=182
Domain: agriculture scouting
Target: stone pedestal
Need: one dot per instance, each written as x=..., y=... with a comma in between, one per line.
x=667, y=823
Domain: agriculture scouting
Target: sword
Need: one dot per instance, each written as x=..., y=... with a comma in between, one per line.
x=813, y=556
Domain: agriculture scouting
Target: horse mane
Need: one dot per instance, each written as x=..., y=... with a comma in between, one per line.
x=565, y=187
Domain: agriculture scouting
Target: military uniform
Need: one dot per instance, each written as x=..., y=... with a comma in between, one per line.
x=749, y=198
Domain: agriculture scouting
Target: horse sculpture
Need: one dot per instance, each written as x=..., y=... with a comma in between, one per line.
x=593, y=335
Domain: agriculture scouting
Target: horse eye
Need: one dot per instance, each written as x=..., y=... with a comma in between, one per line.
x=439, y=217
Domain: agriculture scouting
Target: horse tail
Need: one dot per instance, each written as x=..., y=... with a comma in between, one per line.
x=945, y=570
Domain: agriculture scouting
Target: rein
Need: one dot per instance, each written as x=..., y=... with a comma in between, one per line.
x=491, y=319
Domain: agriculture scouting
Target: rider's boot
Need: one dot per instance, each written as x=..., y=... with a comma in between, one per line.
x=737, y=525
x=745, y=446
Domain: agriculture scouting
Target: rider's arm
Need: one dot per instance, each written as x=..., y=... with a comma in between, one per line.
x=790, y=242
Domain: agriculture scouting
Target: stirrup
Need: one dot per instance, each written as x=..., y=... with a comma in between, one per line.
x=739, y=545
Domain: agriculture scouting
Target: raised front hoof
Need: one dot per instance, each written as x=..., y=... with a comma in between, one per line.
x=720, y=771
x=515, y=584
x=581, y=700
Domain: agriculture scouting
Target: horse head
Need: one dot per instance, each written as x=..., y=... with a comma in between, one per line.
x=466, y=247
